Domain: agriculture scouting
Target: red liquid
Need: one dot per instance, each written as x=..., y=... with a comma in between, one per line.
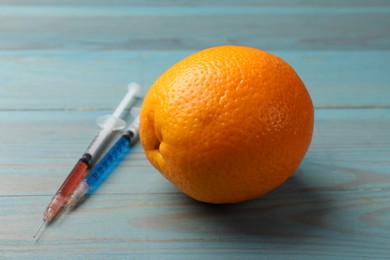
x=77, y=174
x=60, y=199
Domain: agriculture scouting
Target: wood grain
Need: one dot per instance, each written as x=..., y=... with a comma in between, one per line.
x=349, y=151
x=282, y=224
x=63, y=64
x=46, y=80
x=154, y=27
x=336, y=201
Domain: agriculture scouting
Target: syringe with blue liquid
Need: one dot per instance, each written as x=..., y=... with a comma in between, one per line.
x=109, y=162
x=108, y=124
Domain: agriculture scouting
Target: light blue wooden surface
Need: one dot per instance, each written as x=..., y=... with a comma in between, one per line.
x=62, y=64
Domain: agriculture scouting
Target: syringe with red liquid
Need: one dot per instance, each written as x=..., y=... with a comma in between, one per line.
x=108, y=124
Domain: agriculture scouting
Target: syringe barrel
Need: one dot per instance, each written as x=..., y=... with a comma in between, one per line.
x=55, y=207
x=77, y=174
x=111, y=123
x=60, y=199
x=78, y=193
x=108, y=163
x=102, y=137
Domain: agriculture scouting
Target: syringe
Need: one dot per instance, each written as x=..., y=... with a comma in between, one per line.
x=108, y=124
x=109, y=162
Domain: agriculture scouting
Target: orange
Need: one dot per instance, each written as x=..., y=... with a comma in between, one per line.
x=227, y=124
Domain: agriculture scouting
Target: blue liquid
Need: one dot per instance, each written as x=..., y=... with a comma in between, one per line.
x=108, y=163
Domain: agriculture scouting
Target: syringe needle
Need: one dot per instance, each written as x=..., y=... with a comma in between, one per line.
x=108, y=125
x=36, y=233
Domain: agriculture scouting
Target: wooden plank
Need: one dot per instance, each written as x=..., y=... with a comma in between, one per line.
x=195, y=3
x=64, y=64
x=177, y=10
x=283, y=225
x=149, y=27
x=96, y=80
x=350, y=151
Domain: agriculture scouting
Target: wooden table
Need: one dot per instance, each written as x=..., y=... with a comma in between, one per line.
x=63, y=64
